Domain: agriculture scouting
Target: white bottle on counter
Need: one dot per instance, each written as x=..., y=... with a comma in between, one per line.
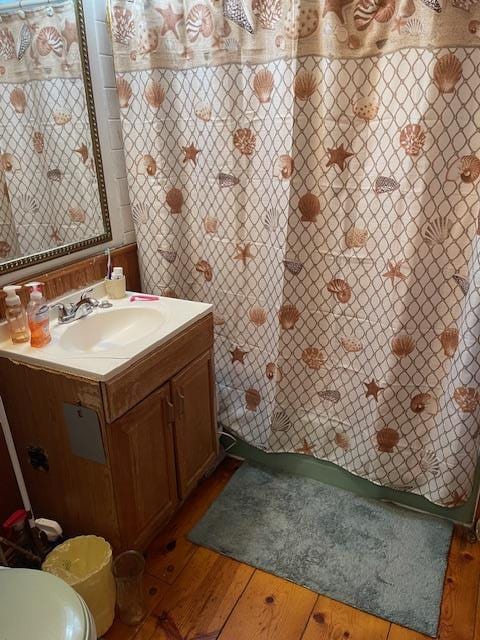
x=16, y=315
x=117, y=273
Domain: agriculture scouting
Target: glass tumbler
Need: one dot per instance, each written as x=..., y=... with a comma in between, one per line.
x=128, y=569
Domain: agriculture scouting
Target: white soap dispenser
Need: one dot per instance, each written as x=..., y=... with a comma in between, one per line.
x=16, y=315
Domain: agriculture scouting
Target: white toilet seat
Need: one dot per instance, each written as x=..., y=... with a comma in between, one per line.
x=38, y=605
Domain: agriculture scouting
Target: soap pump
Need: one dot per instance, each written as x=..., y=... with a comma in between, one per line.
x=16, y=316
x=38, y=315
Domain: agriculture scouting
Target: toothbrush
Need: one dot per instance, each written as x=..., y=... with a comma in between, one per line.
x=109, y=264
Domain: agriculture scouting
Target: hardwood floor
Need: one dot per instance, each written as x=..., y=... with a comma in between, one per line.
x=196, y=594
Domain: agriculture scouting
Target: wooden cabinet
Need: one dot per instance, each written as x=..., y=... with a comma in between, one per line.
x=195, y=442
x=157, y=430
x=143, y=466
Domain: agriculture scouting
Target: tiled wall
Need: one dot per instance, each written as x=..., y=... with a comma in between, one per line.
x=115, y=170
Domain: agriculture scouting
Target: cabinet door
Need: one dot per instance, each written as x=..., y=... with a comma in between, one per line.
x=143, y=469
x=195, y=430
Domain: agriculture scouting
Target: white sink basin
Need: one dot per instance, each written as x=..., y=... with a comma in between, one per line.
x=110, y=330
x=107, y=341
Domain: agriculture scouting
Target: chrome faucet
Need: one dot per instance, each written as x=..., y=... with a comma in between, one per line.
x=75, y=311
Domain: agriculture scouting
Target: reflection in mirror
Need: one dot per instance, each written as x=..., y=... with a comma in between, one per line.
x=52, y=194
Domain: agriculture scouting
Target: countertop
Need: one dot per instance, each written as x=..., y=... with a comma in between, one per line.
x=175, y=315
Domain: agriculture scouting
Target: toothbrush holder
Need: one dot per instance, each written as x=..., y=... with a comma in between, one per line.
x=116, y=289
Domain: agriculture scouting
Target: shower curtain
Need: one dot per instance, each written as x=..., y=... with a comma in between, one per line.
x=312, y=170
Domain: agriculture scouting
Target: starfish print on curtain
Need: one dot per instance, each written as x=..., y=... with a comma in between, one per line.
x=171, y=19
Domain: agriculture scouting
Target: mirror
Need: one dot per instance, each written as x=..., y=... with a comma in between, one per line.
x=52, y=188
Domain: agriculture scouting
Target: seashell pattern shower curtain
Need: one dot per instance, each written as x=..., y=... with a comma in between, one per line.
x=311, y=168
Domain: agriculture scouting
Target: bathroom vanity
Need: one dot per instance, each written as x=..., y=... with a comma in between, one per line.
x=114, y=421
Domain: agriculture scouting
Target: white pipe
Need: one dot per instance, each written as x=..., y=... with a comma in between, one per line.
x=15, y=463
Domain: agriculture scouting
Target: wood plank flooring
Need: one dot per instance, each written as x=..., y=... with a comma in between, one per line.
x=196, y=594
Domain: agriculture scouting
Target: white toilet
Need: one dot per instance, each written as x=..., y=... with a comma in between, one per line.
x=35, y=605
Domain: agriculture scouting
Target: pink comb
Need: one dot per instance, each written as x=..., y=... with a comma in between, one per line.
x=143, y=296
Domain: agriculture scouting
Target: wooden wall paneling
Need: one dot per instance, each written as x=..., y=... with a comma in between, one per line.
x=82, y=273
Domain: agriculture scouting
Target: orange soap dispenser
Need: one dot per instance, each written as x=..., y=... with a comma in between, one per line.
x=38, y=315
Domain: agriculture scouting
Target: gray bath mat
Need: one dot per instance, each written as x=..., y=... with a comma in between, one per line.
x=379, y=558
